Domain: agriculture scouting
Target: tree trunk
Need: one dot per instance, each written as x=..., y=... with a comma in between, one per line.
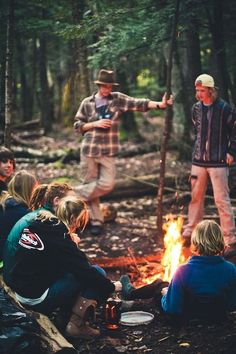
x=3, y=35
x=128, y=123
x=83, y=88
x=26, y=90
x=44, y=86
x=168, y=125
x=8, y=75
x=77, y=86
x=218, y=58
x=46, y=94
x=194, y=68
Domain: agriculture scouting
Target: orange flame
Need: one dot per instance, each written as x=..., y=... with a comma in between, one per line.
x=173, y=256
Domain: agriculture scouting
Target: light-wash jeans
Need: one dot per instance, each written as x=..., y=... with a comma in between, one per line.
x=98, y=178
x=219, y=180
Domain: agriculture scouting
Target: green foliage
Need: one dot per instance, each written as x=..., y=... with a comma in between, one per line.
x=129, y=36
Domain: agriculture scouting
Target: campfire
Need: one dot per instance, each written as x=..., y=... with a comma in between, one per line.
x=144, y=270
x=172, y=257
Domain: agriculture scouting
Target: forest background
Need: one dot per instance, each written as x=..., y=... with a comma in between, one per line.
x=51, y=52
x=50, y=55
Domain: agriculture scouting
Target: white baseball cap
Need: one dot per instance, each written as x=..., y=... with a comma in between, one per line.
x=205, y=80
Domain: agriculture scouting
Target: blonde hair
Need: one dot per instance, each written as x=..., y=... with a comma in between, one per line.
x=207, y=239
x=71, y=210
x=213, y=93
x=20, y=188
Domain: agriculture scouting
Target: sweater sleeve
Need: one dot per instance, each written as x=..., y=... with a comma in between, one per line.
x=173, y=301
x=124, y=103
x=232, y=145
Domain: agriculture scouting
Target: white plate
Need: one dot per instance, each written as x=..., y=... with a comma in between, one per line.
x=135, y=318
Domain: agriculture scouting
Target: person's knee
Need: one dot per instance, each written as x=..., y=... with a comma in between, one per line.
x=100, y=270
x=106, y=186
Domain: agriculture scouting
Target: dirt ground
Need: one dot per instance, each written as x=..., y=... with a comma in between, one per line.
x=134, y=229
x=133, y=234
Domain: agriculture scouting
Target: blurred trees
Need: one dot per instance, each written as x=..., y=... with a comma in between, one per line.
x=59, y=46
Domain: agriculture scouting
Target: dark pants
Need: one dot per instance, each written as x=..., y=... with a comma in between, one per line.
x=148, y=291
x=64, y=292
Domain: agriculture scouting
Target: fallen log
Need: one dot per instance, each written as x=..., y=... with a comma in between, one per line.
x=120, y=262
x=27, y=125
x=39, y=156
x=22, y=140
x=51, y=339
x=138, y=186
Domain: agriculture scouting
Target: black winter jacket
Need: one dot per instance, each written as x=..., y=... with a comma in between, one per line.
x=45, y=253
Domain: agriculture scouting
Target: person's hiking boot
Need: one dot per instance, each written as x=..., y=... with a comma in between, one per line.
x=83, y=331
x=78, y=325
x=127, y=287
x=95, y=230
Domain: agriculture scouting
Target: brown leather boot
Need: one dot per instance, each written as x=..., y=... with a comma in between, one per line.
x=78, y=325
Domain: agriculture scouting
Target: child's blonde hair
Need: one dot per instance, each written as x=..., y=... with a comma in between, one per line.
x=207, y=239
x=73, y=212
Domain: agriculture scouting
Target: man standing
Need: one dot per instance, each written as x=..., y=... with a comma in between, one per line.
x=7, y=166
x=97, y=120
x=214, y=150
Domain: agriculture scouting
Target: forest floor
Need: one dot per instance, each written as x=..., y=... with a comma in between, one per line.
x=133, y=234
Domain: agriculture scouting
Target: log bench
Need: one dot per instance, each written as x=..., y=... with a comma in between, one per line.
x=51, y=339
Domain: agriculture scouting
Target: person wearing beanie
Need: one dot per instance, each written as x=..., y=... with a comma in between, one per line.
x=7, y=166
x=214, y=151
x=97, y=121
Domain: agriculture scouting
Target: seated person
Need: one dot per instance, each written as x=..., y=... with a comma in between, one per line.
x=7, y=166
x=49, y=270
x=204, y=287
x=44, y=197
x=15, y=203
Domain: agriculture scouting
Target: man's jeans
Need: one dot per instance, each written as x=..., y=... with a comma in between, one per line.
x=98, y=178
x=219, y=180
x=64, y=292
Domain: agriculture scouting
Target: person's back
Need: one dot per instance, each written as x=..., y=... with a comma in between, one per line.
x=207, y=279
x=44, y=198
x=12, y=212
x=15, y=203
x=12, y=240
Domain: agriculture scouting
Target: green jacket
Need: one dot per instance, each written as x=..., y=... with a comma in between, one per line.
x=12, y=242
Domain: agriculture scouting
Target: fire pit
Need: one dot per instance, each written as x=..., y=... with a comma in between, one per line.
x=144, y=270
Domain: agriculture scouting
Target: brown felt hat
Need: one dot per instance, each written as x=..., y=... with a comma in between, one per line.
x=106, y=77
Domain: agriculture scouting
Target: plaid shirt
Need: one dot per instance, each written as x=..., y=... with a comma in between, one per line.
x=99, y=142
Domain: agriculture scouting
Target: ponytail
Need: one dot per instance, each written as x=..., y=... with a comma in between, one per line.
x=38, y=197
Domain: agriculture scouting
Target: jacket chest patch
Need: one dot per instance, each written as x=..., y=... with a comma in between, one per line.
x=31, y=240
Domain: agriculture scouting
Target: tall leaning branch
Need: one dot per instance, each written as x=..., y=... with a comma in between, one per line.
x=168, y=123
x=8, y=74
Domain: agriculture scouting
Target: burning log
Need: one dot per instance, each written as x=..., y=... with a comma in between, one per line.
x=122, y=262
x=159, y=265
